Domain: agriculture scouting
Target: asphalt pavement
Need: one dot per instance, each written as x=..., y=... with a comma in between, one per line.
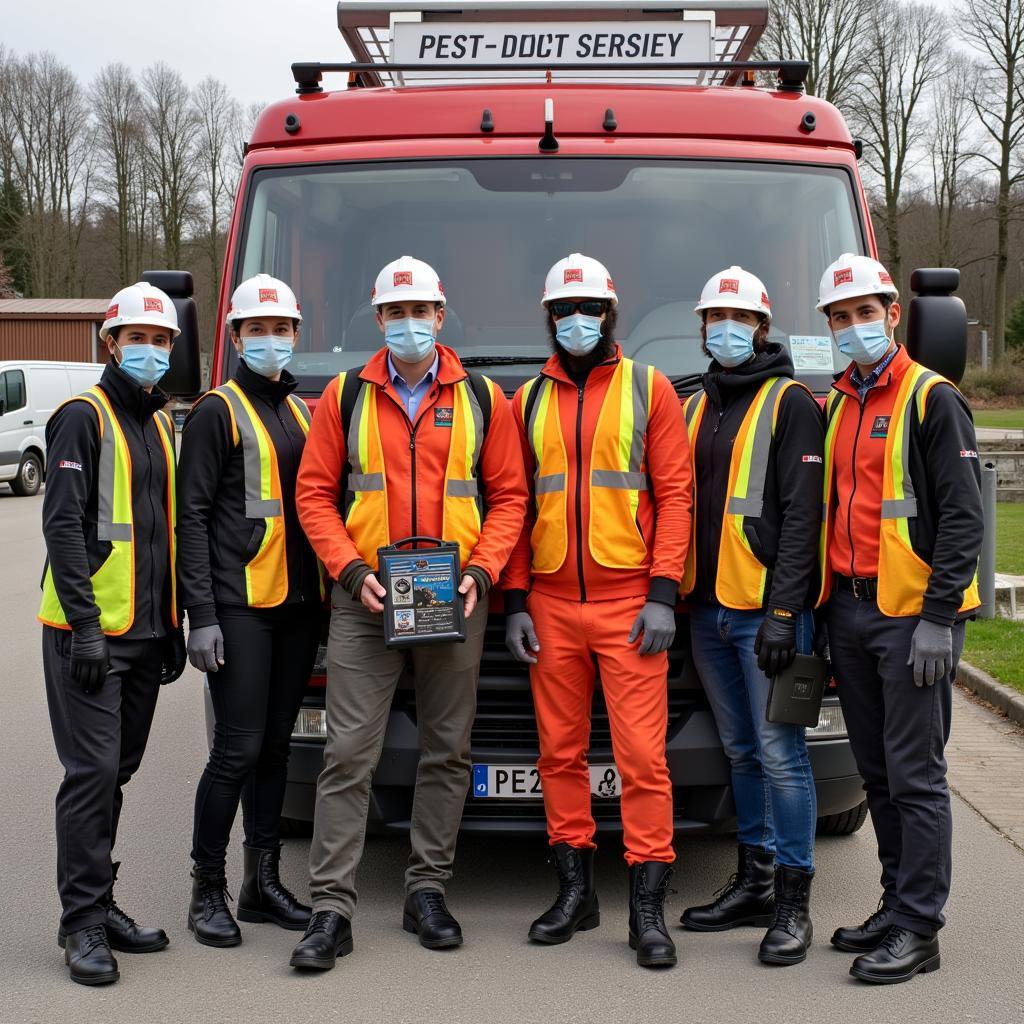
x=499, y=887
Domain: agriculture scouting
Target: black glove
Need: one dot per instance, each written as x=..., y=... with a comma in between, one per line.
x=775, y=644
x=90, y=658
x=175, y=657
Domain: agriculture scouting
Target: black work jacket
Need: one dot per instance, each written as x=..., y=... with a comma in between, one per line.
x=71, y=501
x=215, y=539
x=786, y=536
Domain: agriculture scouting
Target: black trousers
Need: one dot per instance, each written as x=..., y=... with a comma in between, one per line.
x=100, y=739
x=898, y=732
x=256, y=694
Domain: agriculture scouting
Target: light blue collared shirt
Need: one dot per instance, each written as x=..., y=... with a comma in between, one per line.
x=412, y=396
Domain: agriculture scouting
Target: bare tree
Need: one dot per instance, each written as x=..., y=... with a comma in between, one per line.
x=907, y=43
x=828, y=33
x=219, y=115
x=951, y=153
x=172, y=131
x=996, y=29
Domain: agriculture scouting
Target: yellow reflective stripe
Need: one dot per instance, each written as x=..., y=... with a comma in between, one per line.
x=165, y=428
x=625, y=414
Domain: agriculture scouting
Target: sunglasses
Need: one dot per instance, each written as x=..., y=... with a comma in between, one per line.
x=588, y=307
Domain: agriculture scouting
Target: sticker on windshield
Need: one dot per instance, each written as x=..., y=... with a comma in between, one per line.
x=811, y=353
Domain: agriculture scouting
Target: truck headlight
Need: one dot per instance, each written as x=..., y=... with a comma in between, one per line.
x=831, y=724
x=311, y=724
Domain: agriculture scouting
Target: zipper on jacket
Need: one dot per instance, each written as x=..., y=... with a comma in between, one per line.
x=413, y=427
x=579, y=492
x=301, y=585
x=853, y=489
x=154, y=597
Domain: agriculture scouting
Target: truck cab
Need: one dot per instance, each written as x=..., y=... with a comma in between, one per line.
x=492, y=141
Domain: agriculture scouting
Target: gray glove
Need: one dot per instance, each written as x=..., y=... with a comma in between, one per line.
x=931, y=652
x=657, y=622
x=517, y=626
x=206, y=648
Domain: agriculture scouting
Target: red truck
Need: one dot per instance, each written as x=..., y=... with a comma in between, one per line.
x=491, y=141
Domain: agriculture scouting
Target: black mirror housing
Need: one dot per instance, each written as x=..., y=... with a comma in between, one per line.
x=937, y=322
x=184, y=378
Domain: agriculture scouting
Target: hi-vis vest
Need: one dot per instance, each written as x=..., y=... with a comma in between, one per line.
x=741, y=576
x=902, y=575
x=617, y=470
x=113, y=583
x=366, y=493
x=266, y=574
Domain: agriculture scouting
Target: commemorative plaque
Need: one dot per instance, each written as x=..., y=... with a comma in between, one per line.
x=422, y=603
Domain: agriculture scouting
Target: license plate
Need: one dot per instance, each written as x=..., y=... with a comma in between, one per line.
x=522, y=782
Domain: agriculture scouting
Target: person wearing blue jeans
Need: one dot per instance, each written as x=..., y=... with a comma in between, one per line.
x=756, y=441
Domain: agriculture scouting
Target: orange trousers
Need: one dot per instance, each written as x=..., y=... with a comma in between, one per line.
x=577, y=640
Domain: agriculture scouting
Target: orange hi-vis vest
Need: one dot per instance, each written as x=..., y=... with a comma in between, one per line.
x=366, y=495
x=266, y=574
x=902, y=575
x=741, y=576
x=113, y=583
x=617, y=470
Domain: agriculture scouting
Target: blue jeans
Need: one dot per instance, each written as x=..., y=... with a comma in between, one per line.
x=772, y=782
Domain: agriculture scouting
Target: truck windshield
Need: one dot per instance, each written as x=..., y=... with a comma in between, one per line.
x=493, y=227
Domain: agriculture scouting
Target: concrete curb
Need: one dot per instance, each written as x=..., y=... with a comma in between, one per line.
x=997, y=694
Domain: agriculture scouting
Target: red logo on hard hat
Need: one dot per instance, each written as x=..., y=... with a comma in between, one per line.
x=268, y=295
x=885, y=277
x=610, y=284
x=440, y=287
x=153, y=305
x=573, y=277
x=403, y=277
x=764, y=300
x=843, y=277
x=729, y=284
x=112, y=311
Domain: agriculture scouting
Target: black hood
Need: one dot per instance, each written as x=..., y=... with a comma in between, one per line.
x=774, y=361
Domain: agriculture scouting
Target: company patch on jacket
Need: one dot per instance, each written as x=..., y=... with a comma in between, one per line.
x=880, y=428
x=812, y=458
x=68, y=464
x=268, y=295
x=152, y=305
x=968, y=453
x=443, y=417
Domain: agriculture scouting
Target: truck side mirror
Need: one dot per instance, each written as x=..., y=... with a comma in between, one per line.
x=937, y=322
x=184, y=378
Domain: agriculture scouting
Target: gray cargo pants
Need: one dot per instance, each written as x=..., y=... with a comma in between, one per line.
x=361, y=679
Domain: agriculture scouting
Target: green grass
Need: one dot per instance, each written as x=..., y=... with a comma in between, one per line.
x=1006, y=419
x=1010, y=538
x=996, y=646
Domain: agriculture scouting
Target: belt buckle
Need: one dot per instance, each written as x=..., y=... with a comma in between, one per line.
x=861, y=588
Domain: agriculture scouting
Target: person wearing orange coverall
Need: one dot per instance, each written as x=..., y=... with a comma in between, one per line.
x=591, y=587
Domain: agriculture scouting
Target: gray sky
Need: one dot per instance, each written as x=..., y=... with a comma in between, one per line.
x=248, y=44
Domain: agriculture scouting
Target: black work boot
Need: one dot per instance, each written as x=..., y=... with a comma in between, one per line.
x=748, y=898
x=575, y=907
x=898, y=957
x=648, y=886
x=789, y=936
x=328, y=936
x=864, y=937
x=427, y=916
x=263, y=897
x=208, y=916
x=123, y=934
x=87, y=954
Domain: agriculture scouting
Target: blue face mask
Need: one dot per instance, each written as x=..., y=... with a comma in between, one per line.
x=730, y=342
x=410, y=339
x=864, y=343
x=145, y=364
x=578, y=334
x=268, y=356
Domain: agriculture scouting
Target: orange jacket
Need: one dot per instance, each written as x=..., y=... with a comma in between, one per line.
x=414, y=499
x=663, y=513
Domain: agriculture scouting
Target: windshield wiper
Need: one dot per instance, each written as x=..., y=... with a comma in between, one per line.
x=503, y=360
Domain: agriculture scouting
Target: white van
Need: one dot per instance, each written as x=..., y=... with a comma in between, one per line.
x=29, y=392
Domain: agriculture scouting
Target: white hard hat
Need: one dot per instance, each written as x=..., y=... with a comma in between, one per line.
x=852, y=276
x=263, y=295
x=407, y=280
x=579, y=277
x=140, y=303
x=735, y=288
